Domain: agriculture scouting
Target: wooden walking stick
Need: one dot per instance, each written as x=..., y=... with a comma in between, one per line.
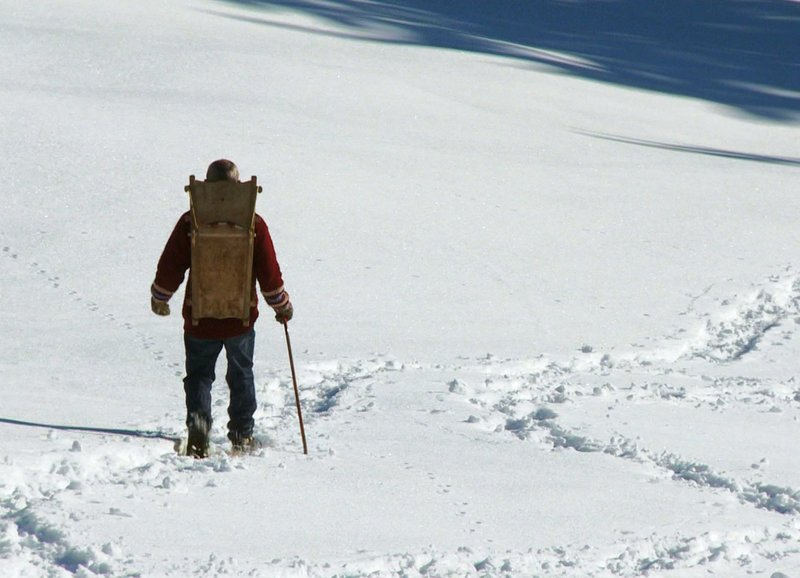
x=296, y=391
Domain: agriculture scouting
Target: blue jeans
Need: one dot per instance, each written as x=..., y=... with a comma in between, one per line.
x=201, y=359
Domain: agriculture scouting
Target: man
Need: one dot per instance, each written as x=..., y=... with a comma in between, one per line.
x=205, y=339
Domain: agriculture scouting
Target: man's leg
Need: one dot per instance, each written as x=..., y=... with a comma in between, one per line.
x=240, y=380
x=201, y=359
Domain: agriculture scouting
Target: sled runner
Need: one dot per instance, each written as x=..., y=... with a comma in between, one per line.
x=223, y=229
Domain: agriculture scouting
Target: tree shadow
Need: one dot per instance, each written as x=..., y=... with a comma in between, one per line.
x=707, y=151
x=744, y=54
x=99, y=430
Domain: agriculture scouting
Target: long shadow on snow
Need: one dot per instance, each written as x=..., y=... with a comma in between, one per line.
x=707, y=151
x=744, y=54
x=113, y=431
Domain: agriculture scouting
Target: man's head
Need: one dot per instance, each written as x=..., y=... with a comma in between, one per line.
x=222, y=170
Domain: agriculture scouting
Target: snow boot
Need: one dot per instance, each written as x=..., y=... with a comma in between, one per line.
x=243, y=443
x=197, y=444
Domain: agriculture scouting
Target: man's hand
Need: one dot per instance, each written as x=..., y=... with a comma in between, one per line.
x=285, y=313
x=159, y=307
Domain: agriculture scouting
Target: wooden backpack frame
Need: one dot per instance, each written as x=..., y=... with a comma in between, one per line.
x=222, y=237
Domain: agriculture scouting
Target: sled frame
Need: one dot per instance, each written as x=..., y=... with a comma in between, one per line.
x=222, y=239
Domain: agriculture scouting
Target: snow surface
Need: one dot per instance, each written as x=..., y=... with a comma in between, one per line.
x=543, y=257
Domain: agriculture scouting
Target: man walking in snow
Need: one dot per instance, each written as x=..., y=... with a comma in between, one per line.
x=205, y=338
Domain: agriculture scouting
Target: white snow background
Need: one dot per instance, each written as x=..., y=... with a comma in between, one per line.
x=544, y=262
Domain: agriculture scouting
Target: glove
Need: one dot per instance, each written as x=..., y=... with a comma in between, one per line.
x=285, y=313
x=159, y=307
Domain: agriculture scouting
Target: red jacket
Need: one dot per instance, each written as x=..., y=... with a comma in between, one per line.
x=176, y=259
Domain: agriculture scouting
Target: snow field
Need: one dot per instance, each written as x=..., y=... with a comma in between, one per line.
x=546, y=323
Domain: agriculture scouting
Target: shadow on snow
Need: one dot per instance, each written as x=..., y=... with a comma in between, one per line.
x=744, y=54
x=699, y=150
x=101, y=430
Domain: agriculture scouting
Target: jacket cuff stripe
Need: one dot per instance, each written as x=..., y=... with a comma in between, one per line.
x=160, y=293
x=277, y=300
x=274, y=292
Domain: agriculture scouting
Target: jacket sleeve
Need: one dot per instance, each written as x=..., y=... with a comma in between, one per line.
x=266, y=267
x=174, y=261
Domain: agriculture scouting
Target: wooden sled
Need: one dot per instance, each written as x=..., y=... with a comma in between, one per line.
x=223, y=230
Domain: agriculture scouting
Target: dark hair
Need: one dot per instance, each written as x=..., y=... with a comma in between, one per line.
x=222, y=170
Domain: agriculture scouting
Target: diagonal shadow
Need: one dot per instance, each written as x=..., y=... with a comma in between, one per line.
x=113, y=431
x=743, y=54
x=708, y=151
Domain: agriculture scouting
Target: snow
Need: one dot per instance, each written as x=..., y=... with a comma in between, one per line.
x=543, y=262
